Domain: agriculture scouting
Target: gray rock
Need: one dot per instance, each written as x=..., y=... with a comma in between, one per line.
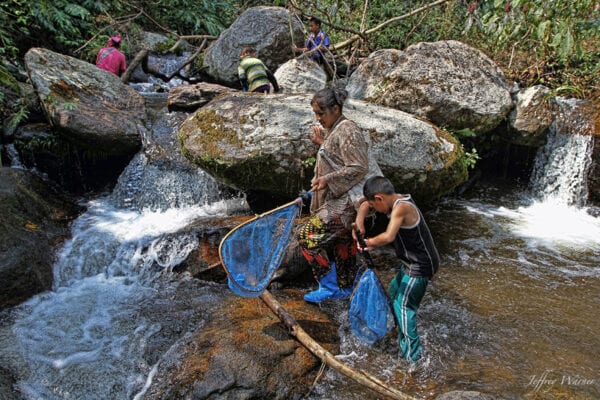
x=258, y=142
x=7, y=382
x=267, y=29
x=446, y=82
x=465, y=395
x=531, y=116
x=192, y=97
x=151, y=40
x=87, y=105
x=301, y=76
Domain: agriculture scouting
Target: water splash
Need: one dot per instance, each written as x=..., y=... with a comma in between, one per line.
x=115, y=304
x=557, y=216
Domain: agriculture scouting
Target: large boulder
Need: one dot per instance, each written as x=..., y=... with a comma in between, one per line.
x=257, y=142
x=268, y=29
x=87, y=105
x=301, y=75
x=34, y=220
x=446, y=82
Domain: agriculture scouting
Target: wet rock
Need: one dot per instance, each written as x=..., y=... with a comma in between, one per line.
x=7, y=382
x=192, y=97
x=34, y=222
x=446, y=82
x=594, y=173
x=40, y=147
x=246, y=353
x=267, y=29
x=88, y=106
x=259, y=143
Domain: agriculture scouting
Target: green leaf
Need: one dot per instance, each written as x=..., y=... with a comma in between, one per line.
x=542, y=30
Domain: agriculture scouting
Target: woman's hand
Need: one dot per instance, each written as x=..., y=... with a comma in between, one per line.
x=319, y=183
x=316, y=134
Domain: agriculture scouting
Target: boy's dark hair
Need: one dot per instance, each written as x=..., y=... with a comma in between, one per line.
x=327, y=98
x=248, y=50
x=315, y=20
x=377, y=185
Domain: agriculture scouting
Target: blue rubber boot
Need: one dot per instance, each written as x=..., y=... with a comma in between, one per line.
x=328, y=289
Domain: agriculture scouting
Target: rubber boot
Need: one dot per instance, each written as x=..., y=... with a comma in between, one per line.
x=328, y=289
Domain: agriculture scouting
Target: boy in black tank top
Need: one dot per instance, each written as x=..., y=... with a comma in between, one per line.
x=414, y=246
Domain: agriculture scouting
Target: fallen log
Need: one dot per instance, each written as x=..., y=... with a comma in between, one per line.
x=326, y=357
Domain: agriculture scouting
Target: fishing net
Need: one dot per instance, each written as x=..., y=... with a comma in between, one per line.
x=252, y=251
x=370, y=314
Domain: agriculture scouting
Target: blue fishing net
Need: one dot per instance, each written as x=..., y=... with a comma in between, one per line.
x=370, y=314
x=252, y=251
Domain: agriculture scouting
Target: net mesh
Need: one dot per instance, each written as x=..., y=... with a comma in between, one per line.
x=370, y=314
x=252, y=251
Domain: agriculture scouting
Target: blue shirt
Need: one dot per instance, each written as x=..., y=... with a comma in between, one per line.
x=314, y=41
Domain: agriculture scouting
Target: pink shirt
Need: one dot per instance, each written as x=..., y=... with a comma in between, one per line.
x=112, y=60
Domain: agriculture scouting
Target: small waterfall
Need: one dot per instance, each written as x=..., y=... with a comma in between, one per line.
x=557, y=214
x=13, y=155
x=562, y=165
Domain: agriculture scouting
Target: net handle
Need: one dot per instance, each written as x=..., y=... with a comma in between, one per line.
x=361, y=240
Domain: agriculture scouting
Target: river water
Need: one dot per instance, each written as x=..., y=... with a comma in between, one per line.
x=514, y=310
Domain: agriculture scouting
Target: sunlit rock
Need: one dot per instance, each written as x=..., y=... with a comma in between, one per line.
x=258, y=142
x=270, y=30
x=301, y=76
x=532, y=116
x=447, y=82
x=87, y=105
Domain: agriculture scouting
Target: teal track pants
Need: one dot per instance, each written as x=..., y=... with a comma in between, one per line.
x=406, y=293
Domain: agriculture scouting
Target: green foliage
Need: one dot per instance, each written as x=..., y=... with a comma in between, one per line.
x=309, y=162
x=69, y=24
x=469, y=159
x=466, y=132
x=551, y=27
x=69, y=105
x=183, y=16
x=17, y=117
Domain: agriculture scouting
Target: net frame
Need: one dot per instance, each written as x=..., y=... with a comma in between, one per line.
x=253, y=286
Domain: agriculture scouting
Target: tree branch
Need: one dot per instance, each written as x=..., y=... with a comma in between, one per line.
x=387, y=23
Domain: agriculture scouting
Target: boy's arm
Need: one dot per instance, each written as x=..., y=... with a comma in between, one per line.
x=363, y=210
x=273, y=80
x=397, y=218
x=243, y=79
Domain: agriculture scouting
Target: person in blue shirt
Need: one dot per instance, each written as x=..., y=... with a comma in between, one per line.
x=316, y=43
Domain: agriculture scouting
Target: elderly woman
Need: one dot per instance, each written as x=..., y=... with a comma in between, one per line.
x=342, y=162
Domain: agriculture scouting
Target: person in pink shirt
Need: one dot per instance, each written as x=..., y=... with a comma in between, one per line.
x=110, y=58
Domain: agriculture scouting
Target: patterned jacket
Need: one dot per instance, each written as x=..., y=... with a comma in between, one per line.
x=348, y=147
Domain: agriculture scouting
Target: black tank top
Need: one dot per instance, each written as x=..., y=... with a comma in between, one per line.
x=414, y=246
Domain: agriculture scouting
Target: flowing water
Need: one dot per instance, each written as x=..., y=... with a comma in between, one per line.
x=514, y=310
